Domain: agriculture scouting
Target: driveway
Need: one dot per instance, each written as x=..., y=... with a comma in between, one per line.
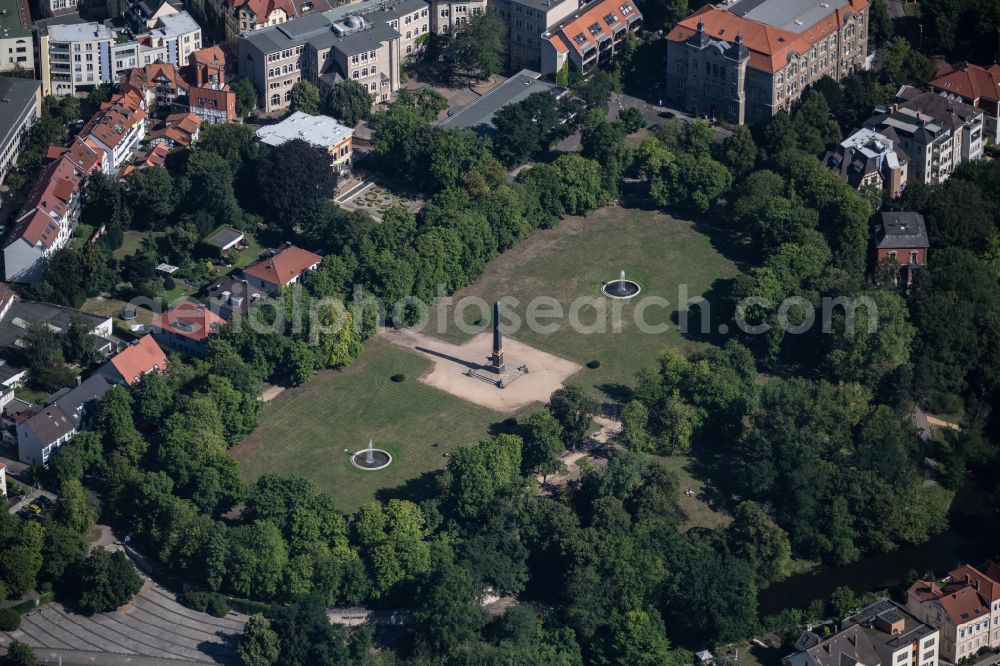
x=32, y=496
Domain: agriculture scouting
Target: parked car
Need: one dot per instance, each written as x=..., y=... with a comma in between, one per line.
x=43, y=502
x=34, y=508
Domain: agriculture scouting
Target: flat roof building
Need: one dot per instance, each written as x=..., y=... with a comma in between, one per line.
x=320, y=131
x=20, y=108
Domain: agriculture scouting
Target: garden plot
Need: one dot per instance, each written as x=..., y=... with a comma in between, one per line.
x=375, y=199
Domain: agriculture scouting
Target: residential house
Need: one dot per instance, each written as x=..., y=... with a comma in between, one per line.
x=186, y=327
x=46, y=221
x=179, y=129
x=135, y=362
x=282, y=267
x=743, y=61
x=590, y=37
x=65, y=413
x=938, y=134
x=159, y=83
x=974, y=85
x=118, y=127
x=20, y=315
x=209, y=96
x=868, y=158
x=229, y=297
x=965, y=607
x=902, y=238
x=16, y=48
x=20, y=107
x=880, y=634
x=320, y=131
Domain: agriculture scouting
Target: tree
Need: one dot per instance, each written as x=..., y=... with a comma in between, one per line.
x=62, y=551
x=71, y=509
x=639, y=638
x=246, y=97
x=632, y=119
x=739, y=152
x=99, y=94
x=755, y=538
x=234, y=142
x=879, y=24
x=258, y=644
x=350, y=102
x=573, y=408
x=208, y=188
x=305, y=97
x=447, y=608
x=542, y=436
x=596, y=90
x=291, y=176
x=151, y=195
x=479, y=44
x=526, y=128
x=106, y=581
x=635, y=416
x=21, y=559
x=19, y=654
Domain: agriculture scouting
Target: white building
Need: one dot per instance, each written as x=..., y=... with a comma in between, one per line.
x=77, y=57
x=66, y=413
x=118, y=128
x=321, y=131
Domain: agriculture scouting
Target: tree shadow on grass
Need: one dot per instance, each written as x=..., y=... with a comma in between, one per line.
x=716, y=325
x=620, y=393
x=424, y=487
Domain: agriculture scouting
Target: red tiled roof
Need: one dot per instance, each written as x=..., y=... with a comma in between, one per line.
x=113, y=121
x=283, y=266
x=770, y=47
x=55, y=152
x=224, y=100
x=262, y=9
x=986, y=586
x=970, y=81
x=923, y=591
x=575, y=33
x=139, y=359
x=190, y=320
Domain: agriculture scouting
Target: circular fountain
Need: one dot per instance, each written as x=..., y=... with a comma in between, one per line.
x=371, y=458
x=621, y=288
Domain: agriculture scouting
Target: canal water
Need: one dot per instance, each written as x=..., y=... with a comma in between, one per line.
x=972, y=537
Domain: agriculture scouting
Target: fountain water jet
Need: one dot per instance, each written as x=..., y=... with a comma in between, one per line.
x=621, y=288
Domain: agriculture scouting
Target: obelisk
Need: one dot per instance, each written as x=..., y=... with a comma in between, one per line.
x=497, y=358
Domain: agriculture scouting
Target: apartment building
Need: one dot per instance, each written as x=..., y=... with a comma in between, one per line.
x=117, y=128
x=965, y=607
x=974, y=85
x=20, y=107
x=16, y=49
x=742, y=62
x=880, y=634
x=591, y=37
x=937, y=133
x=325, y=51
x=200, y=88
x=527, y=21
x=74, y=58
x=868, y=158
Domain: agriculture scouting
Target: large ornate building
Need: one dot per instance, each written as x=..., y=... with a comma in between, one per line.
x=743, y=61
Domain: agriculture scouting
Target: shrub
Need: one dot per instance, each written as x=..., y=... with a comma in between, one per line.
x=206, y=602
x=10, y=619
x=400, y=377
x=594, y=364
x=169, y=284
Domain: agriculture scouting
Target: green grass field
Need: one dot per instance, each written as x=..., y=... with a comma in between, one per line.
x=132, y=242
x=575, y=259
x=305, y=430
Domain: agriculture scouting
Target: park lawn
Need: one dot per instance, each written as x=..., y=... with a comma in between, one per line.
x=573, y=260
x=699, y=512
x=305, y=430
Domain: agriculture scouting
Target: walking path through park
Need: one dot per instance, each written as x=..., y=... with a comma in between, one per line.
x=570, y=470
x=152, y=630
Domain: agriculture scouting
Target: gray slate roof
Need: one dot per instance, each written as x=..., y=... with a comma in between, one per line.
x=478, y=114
x=901, y=230
x=50, y=424
x=78, y=401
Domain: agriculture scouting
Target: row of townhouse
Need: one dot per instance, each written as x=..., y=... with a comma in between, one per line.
x=48, y=217
x=75, y=58
x=743, y=61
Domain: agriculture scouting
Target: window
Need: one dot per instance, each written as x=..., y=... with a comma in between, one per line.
x=275, y=100
x=373, y=87
x=364, y=72
x=355, y=75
